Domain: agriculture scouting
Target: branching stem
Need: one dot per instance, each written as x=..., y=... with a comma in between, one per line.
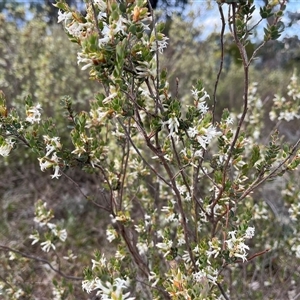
x=42, y=260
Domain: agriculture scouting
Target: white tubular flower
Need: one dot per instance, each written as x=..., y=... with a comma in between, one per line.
x=165, y=247
x=293, y=87
x=101, y=263
x=119, y=255
x=52, y=227
x=182, y=189
x=288, y=115
x=111, y=234
x=205, y=96
x=64, y=17
x=236, y=246
x=160, y=44
x=202, y=106
x=50, y=148
x=83, y=59
x=173, y=124
x=203, y=141
x=34, y=114
x=79, y=30
x=249, y=233
x=101, y=16
x=229, y=121
x=214, y=248
x=294, y=211
x=42, y=214
x=181, y=239
x=52, y=144
x=56, y=172
x=97, y=117
x=18, y=294
x=142, y=248
x=296, y=249
x=154, y=277
x=101, y=5
x=119, y=26
x=71, y=256
x=79, y=150
x=202, y=277
x=88, y=285
x=192, y=131
x=6, y=146
x=57, y=292
x=110, y=98
x=35, y=237
x=107, y=35
x=54, y=140
x=203, y=135
x=272, y=115
x=61, y=234
x=47, y=245
x=45, y=163
x=195, y=93
x=147, y=69
x=110, y=291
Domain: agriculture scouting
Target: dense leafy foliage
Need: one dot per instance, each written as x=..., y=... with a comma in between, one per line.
x=178, y=170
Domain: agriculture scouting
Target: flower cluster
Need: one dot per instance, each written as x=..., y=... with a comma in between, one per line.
x=236, y=244
x=287, y=108
x=201, y=130
x=108, y=290
x=33, y=114
x=107, y=32
x=6, y=145
x=13, y=294
x=52, y=232
x=51, y=159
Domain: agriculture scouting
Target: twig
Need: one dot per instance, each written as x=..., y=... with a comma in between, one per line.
x=222, y=291
x=180, y=206
x=141, y=156
x=221, y=62
x=166, y=294
x=245, y=105
x=124, y=167
x=96, y=20
x=76, y=184
x=157, y=57
x=133, y=250
x=272, y=174
x=113, y=202
x=84, y=195
x=253, y=256
x=255, y=52
x=181, y=168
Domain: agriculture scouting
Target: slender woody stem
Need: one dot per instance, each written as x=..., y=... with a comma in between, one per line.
x=45, y=261
x=221, y=62
x=244, y=57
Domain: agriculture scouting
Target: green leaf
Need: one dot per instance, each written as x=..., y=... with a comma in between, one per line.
x=132, y=29
x=61, y=5
x=115, y=15
x=255, y=155
x=122, y=7
x=218, y=176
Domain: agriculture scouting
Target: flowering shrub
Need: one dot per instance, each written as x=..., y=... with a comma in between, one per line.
x=177, y=180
